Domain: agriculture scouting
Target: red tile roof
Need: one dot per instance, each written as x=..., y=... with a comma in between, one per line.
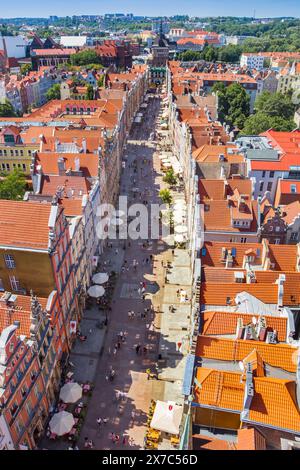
x=20, y=312
x=88, y=162
x=272, y=397
x=24, y=224
x=225, y=323
x=73, y=186
x=277, y=355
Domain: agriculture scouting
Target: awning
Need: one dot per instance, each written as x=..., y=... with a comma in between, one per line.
x=167, y=417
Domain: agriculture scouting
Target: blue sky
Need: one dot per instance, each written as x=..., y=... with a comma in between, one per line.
x=36, y=8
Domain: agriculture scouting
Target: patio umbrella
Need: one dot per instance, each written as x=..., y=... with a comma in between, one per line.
x=70, y=392
x=96, y=291
x=167, y=417
x=181, y=229
x=100, y=278
x=167, y=165
x=61, y=423
x=179, y=238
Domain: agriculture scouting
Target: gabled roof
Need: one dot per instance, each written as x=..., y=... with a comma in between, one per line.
x=88, y=162
x=225, y=323
x=217, y=294
x=20, y=311
x=277, y=355
x=24, y=224
x=272, y=398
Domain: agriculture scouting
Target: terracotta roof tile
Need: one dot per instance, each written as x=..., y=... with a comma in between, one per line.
x=272, y=397
x=276, y=355
x=211, y=296
x=24, y=224
x=224, y=323
x=88, y=162
x=20, y=312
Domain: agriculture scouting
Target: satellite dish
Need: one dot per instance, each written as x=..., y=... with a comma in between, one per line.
x=241, y=366
x=254, y=320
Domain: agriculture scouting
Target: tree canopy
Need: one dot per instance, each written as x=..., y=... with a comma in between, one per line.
x=90, y=93
x=13, y=186
x=85, y=57
x=233, y=104
x=54, y=92
x=6, y=109
x=272, y=110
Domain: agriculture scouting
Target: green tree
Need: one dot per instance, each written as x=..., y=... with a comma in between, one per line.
x=101, y=81
x=233, y=103
x=165, y=196
x=6, y=109
x=261, y=122
x=275, y=104
x=54, y=92
x=89, y=93
x=170, y=177
x=85, y=57
x=25, y=68
x=13, y=186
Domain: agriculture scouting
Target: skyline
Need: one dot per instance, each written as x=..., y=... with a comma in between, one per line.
x=92, y=7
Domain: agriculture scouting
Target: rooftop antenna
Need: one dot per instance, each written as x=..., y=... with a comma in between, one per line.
x=254, y=13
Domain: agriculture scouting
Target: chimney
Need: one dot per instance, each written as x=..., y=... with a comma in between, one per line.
x=242, y=204
x=61, y=166
x=248, y=392
x=280, y=281
x=265, y=258
x=83, y=145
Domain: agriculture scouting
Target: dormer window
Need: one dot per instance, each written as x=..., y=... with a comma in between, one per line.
x=293, y=188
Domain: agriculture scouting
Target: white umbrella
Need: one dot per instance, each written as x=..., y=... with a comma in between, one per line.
x=167, y=165
x=71, y=392
x=167, y=417
x=181, y=229
x=179, y=238
x=100, y=278
x=96, y=291
x=61, y=423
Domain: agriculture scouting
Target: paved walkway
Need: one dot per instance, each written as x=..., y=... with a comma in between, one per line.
x=158, y=332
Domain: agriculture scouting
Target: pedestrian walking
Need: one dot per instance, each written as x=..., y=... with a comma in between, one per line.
x=115, y=350
x=137, y=348
x=105, y=420
x=86, y=442
x=116, y=251
x=132, y=416
x=99, y=421
x=119, y=344
x=124, y=439
x=129, y=314
x=145, y=350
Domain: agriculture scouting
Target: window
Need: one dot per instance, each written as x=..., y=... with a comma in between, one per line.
x=14, y=283
x=1, y=285
x=277, y=229
x=24, y=166
x=11, y=153
x=294, y=237
x=272, y=174
x=9, y=261
x=293, y=188
x=277, y=241
x=21, y=153
x=17, y=153
x=263, y=174
x=269, y=186
x=261, y=186
x=8, y=166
